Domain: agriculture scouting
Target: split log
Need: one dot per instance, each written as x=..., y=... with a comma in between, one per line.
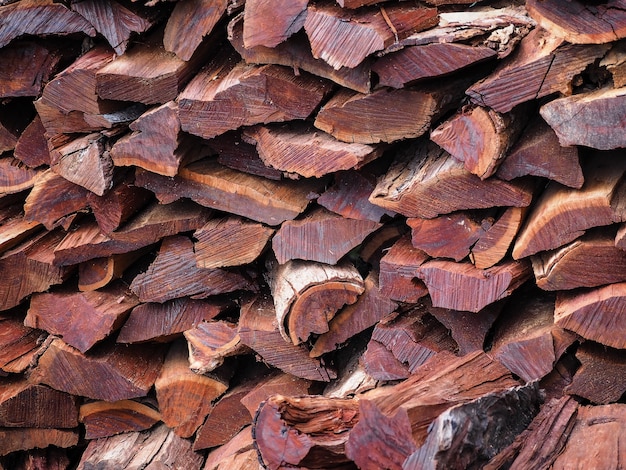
x=110, y=373
x=307, y=295
x=230, y=241
x=210, y=342
x=274, y=384
x=590, y=261
x=212, y=185
x=380, y=364
x=579, y=24
x=32, y=146
x=311, y=431
x=164, y=322
x=298, y=149
x=426, y=181
x=185, y=398
x=461, y=286
x=226, y=95
x=345, y=38
x=398, y=272
x=594, y=314
x=19, y=345
x=259, y=331
x=591, y=119
x=615, y=63
x=480, y=137
x=174, y=274
x=494, y=244
x=157, y=448
x=555, y=382
x=104, y=419
x=14, y=439
x=394, y=420
x=562, y=214
x=533, y=72
x=15, y=177
x=189, y=22
x=262, y=26
x=239, y=453
x=320, y=236
x=526, y=157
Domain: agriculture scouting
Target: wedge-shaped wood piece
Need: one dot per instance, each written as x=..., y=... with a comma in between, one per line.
x=158, y=447
x=15, y=439
x=88, y=317
x=380, y=364
x=163, y=322
x=264, y=26
x=345, y=38
x=259, y=331
x=210, y=342
x=213, y=185
x=114, y=21
x=577, y=23
x=562, y=214
x=394, y=420
x=307, y=295
x=230, y=241
x=27, y=67
x=398, y=272
x=385, y=115
x=590, y=261
x=591, y=119
x=462, y=286
x=275, y=383
x=189, y=22
x=542, y=65
x=18, y=344
x=34, y=17
x=99, y=272
x=494, y=243
x=32, y=146
x=227, y=95
x=185, y=398
x=426, y=181
x=594, y=314
x=174, y=274
x=301, y=150
x=526, y=157
x=15, y=177
x=480, y=137
x=370, y=307
x=321, y=236
x=111, y=372
x=27, y=405
x=314, y=431
x=104, y=419
x=415, y=63
x=615, y=63
x=239, y=453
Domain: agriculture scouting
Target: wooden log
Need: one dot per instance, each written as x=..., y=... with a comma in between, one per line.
x=307, y=295
x=461, y=286
x=18, y=345
x=426, y=181
x=403, y=413
x=578, y=24
x=480, y=137
x=412, y=64
x=211, y=342
x=88, y=317
x=259, y=331
x=370, y=307
x=27, y=405
x=156, y=447
x=590, y=119
x=533, y=72
x=262, y=26
x=526, y=157
x=213, y=185
x=114, y=21
x=398, y=272
x=15, y=439
x=174, y=274
x=615, y=63
x=594, y=314
x=298, y=149
x=227, y=95
x=166, y=321
x=40, y=18
x=185, y=398
x=189, y=22
x=99, y=272
x=590, y=261
x=32, y=146
x=104, y=419
x=562, y=214
x=320, y=236
x=111, y=373
x=380, y=364
x=315, y=431
x=239, y=453
x=230, y=241
x=345, y=38
x=494, y=244
x=274, y=383
x=15, y=177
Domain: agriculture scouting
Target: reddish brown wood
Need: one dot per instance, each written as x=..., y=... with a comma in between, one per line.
x=275, y=383
x=239, y=452
x=380, y=364
x=32, y=147
x=27, y=68
x=264, y=26
x=18, y=345
x=52, y=458
x=494, y=244
x=615, y=62
x=104, y=419
x=14, y=439
x=398, y=272
x=210, y=342
x=15, y=176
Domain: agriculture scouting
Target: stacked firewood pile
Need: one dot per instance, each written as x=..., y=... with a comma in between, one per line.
x=292, y=234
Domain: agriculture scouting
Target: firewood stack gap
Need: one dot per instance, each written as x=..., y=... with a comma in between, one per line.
x=288, y=234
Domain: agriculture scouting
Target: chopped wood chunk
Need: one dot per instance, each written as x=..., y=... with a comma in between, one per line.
x=380, y=364
x=263, y=26
x=210, y=342
x=275, y=383
x=15, y=176
x=18, y=344
x=104, y=419
x=32, y=146
x=238, y=453
x=493, y=245
x=615, y=62
x=14, y=439
x=27, y=67
x=398, y=272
